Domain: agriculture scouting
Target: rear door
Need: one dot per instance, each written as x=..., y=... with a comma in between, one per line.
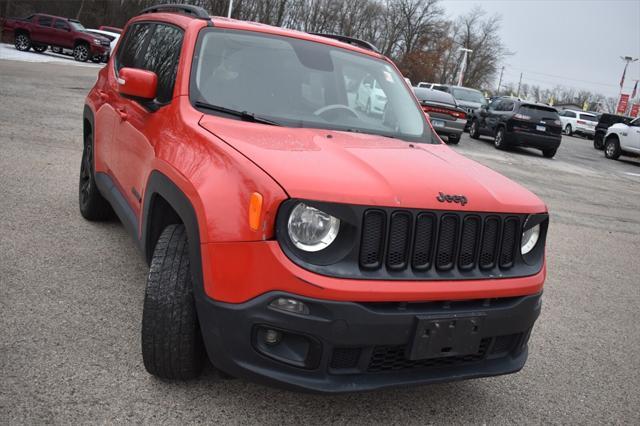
x=61, y=33
x=493, y=116
x=155, y=47
x=633, y=136
x=42, y=31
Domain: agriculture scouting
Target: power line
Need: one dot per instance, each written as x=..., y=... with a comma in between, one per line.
x=560, y=77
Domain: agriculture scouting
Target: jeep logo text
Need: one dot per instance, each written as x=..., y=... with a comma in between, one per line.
x=460, y=199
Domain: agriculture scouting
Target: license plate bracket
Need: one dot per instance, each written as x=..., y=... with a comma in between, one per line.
x=449, y=336
x=541, y=128
x=437, y=123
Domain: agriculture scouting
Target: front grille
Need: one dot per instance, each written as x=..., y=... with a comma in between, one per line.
x=345, y=358
x=392, y=358
x=440, y=242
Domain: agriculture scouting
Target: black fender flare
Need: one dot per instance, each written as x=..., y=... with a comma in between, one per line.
x=159, y=184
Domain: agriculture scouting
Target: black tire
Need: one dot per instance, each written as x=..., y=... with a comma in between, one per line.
x=22, y=42
x=96, y=59
x=93, y=206
x=612, y=148
x=81, y=52
x=453, y=139
x=172, y=346
x=56, y=49
x=39, y=48
x=499, y=140
x=568, y=130
x=474, y=133
x=549, y=153
x=598, y=141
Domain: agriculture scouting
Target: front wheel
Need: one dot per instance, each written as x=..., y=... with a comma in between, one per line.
x=473, y=130
x=612, y=148
x=22, y=42
x=598, y=142
x=172, y=346
x=81, y=53
x=93, y=206
x=499, y=141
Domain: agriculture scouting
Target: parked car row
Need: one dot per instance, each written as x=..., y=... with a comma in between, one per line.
x=40, y=31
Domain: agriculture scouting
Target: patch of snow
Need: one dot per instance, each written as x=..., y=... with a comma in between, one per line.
x=10, y=53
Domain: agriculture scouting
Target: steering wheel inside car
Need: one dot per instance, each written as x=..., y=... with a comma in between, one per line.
x=325, y=111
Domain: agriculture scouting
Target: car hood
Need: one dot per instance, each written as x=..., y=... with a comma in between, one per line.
x=617, y=126
x=341, y=167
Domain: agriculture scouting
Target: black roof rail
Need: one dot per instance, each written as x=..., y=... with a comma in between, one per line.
x=350, y=40
x=187, y=9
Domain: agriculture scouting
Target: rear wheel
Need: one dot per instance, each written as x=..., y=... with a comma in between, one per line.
x=40, y=48
x=499, y=141
x=567, y=130
x=81, y=52
x=598, y=141
x=549, y=153
x=453, y=139
x=22, y=42
x=93, y=206
x=172, y=346
x=473, y=130
x=612, y=148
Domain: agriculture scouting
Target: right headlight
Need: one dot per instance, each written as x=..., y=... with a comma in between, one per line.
x=530, y=239
x=311, y=229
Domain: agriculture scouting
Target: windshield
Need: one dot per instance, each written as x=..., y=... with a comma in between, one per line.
x=77, y=26
x=298, y=83
x=468, y=95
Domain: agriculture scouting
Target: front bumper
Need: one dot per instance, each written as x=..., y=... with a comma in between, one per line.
x=346, y=346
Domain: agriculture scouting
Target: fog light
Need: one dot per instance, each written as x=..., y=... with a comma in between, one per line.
x=272, y=337
x=290, y=305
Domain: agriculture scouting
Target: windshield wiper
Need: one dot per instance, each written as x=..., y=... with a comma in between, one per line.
x=243, y=115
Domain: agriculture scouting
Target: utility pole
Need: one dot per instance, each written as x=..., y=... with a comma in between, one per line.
x=519, y=83
x=230, y=8
x=463, y=66
x=500, y=81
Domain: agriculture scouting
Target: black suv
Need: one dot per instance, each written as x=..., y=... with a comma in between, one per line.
x=514, y=122
x=606, y=121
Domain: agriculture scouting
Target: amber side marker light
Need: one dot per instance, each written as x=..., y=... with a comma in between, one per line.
x=255, y=210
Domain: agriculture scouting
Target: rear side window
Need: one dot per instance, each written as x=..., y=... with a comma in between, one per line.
x=570, y=114
x=537, y=112
x=507, y=106
x=45, y=21
x=61, y=25
x=161, y=57
x=130, y=55
x=588, y=117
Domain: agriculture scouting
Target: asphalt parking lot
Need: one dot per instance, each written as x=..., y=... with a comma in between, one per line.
x=71, y=295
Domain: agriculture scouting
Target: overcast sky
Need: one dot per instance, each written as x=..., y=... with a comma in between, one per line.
x=575, y=43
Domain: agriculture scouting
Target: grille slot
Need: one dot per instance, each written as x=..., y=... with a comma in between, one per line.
x=399, y=240
x=343, y=358
x=508, y=242
x=447, y=242
x=489, y=243
x=469, y=243
x=392, y=358
x=372, y=239
x=423, y=243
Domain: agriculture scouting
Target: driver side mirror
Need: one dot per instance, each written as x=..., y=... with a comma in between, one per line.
x=137, y=83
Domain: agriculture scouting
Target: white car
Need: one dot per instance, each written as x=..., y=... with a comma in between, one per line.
x=622, y=139
x=579, y=122
x=370, y=97
x=113, y=37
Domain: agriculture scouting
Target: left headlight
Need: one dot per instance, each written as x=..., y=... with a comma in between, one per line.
x=530, y=239
x=311, y=229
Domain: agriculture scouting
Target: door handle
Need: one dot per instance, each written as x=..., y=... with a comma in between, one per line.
x=103, y=95
x=122, y=113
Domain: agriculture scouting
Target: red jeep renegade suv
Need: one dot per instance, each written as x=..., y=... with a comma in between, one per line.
x=292, y=237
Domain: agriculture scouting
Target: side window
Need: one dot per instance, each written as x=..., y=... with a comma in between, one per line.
x=61, y=25
x=495, y=105
x=45, y=21
x=570, y=114
x=507, y=106
x=161, y=57
x=130, y=55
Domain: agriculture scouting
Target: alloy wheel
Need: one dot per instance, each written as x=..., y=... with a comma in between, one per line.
x=22, y=42
x=81, y=53
x=85, y=174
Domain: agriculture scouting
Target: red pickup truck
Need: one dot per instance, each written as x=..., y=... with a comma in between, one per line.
x=40, y=31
